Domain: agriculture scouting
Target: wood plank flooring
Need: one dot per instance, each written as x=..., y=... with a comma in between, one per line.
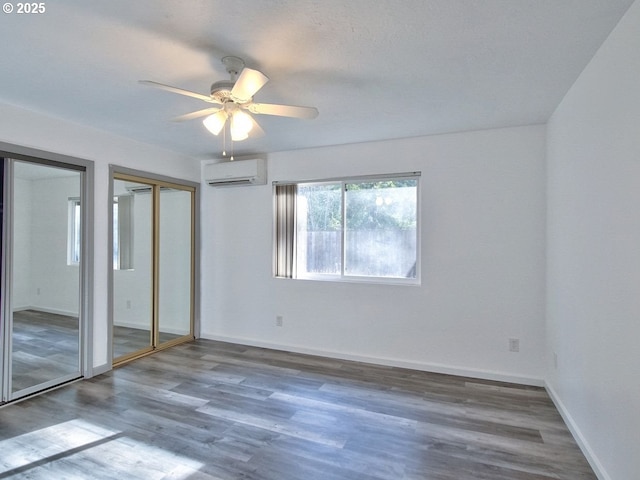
x=212, y=410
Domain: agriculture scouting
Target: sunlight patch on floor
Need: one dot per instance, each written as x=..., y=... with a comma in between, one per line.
x=80, y=449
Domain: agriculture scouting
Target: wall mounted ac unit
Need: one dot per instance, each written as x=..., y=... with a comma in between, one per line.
x=239, y=172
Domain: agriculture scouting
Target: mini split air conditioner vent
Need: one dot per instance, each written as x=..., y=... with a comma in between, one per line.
x=240, y=172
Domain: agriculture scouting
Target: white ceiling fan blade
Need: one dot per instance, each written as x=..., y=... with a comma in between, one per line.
x=248, y=83
x=256, y=129
x=177, y=90
x=197, y=114
x=283, y=110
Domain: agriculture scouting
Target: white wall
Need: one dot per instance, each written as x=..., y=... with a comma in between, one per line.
x=30, y=129
x=483, y=267
x=593, y=295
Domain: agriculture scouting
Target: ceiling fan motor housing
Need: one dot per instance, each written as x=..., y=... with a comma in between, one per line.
x=221, y=91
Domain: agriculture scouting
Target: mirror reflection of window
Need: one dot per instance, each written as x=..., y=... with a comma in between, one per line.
x=73, y=249
x=123, y=212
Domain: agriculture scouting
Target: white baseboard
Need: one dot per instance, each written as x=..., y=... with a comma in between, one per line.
x=53, y=311
x=390, y=362
x=577, y=434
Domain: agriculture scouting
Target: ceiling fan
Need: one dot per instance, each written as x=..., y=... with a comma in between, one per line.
x=233, y=99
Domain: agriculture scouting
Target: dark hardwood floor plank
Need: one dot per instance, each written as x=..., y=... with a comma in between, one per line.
x=218, y=411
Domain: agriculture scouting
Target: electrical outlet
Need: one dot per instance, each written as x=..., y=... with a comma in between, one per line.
x=279, y=320
x=514, y=344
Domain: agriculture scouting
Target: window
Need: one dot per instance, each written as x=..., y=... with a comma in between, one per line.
x=73, y=237
x=352, y=229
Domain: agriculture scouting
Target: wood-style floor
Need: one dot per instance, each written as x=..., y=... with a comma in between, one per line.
x=211, y=410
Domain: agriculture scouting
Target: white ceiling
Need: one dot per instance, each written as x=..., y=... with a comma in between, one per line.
x=375, y=69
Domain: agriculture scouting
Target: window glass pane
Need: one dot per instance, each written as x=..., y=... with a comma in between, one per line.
x=380, y=228
x=319, y=229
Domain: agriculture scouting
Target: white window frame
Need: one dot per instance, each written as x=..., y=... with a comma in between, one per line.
x=342, y=276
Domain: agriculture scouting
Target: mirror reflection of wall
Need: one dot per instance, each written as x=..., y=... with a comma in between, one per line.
x=175, y=264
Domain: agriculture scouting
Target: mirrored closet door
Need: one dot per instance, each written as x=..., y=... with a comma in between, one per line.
x=132, y=268
x=175, y=265
x=42, y=264
x=153, y=265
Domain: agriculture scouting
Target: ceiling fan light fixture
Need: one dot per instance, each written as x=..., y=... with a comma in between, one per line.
x=215, y=123
x=241, y=121
x=248, y=83
x=238, y=136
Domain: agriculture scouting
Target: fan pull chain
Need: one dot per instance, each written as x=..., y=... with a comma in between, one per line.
x=224, y=140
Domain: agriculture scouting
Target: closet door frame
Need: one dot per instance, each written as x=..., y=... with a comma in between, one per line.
x=85, y=312
x=127, y=174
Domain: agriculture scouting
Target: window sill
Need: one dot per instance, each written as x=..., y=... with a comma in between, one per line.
x=413, y=282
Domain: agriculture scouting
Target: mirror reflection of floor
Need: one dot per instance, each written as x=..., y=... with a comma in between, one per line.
x=45, y=346
x=128, y=340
